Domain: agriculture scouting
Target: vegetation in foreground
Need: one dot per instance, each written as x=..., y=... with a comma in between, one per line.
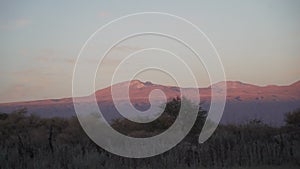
x=28, y=141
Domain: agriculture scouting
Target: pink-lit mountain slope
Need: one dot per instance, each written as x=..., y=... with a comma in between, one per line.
x=244, y=101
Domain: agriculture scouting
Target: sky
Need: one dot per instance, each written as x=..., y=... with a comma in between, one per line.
x=258, y=41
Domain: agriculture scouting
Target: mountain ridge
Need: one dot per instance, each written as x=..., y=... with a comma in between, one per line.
x=139, y=84
x=243, y=101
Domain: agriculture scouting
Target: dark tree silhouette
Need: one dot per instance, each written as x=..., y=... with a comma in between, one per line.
x=293, y=118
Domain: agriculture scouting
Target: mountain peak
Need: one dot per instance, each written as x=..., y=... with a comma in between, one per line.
x=138, y=84
x=296, y=84
x=135, y=81
x=232, y=84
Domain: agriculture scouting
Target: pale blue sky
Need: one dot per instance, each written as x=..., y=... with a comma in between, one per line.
x=258, y=41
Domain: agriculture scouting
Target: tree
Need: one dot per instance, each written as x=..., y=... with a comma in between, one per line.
x=162, y=123
x=293, y=118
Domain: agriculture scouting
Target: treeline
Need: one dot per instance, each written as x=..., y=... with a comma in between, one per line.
x=28, y=141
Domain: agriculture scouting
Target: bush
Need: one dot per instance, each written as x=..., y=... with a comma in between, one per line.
x=293, y=118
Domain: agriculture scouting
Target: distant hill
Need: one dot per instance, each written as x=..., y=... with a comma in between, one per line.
x=244, y=101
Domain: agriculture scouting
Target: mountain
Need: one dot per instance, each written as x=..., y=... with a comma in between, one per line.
x=243, y=102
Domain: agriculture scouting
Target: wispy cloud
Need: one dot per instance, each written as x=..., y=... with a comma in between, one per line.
x=49, y=55
x=122, y=48
x=46, y=81
x=14, y=24
x=54, y=59
x=103, y=14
